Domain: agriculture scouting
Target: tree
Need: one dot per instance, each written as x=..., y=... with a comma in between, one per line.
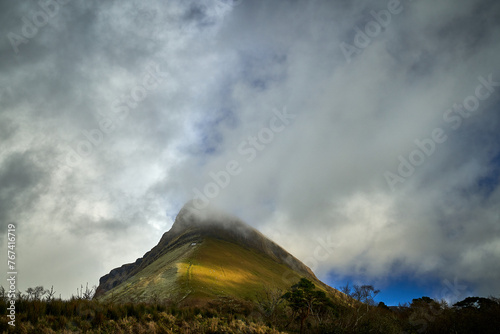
x=477, y=314
x=269, y=303
x=476, y=303
x=304, y=300
x=383, y=306
x=86, y=294
x=50, y=294
x=36, y=293
x=364, y=295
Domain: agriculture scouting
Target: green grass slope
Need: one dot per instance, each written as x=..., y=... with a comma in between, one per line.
x=212, y=268
x=205, y=256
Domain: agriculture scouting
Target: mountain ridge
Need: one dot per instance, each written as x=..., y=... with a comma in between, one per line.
x=183, y=250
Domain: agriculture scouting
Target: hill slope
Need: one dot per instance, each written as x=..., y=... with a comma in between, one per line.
x=205, y=257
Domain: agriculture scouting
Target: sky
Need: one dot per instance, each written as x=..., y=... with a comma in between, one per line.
x=361, y=136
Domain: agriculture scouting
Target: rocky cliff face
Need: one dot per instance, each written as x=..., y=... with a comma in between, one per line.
x=192, y=226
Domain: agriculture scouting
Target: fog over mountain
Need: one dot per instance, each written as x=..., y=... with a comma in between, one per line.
x=361, y=136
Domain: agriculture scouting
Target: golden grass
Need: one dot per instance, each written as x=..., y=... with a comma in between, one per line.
x=219, y=267
x=207, y=270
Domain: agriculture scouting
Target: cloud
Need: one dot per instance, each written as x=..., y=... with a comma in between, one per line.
x=90, y=154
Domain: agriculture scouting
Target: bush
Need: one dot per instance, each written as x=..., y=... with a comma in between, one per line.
x=229, y=315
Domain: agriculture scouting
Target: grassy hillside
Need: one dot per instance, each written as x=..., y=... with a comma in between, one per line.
x=158, y=279
x=190, y=228
x=219, y=268
x=209, y=269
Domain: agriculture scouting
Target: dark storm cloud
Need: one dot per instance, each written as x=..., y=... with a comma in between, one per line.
x=22, y=182
x=7, y=129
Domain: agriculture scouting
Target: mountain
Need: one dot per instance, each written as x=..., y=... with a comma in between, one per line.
x=206, y=255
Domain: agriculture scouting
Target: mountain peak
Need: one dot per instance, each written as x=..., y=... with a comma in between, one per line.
x=207, y=241
x=191, y=217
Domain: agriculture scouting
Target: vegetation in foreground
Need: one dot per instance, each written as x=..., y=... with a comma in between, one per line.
x=301, y=309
